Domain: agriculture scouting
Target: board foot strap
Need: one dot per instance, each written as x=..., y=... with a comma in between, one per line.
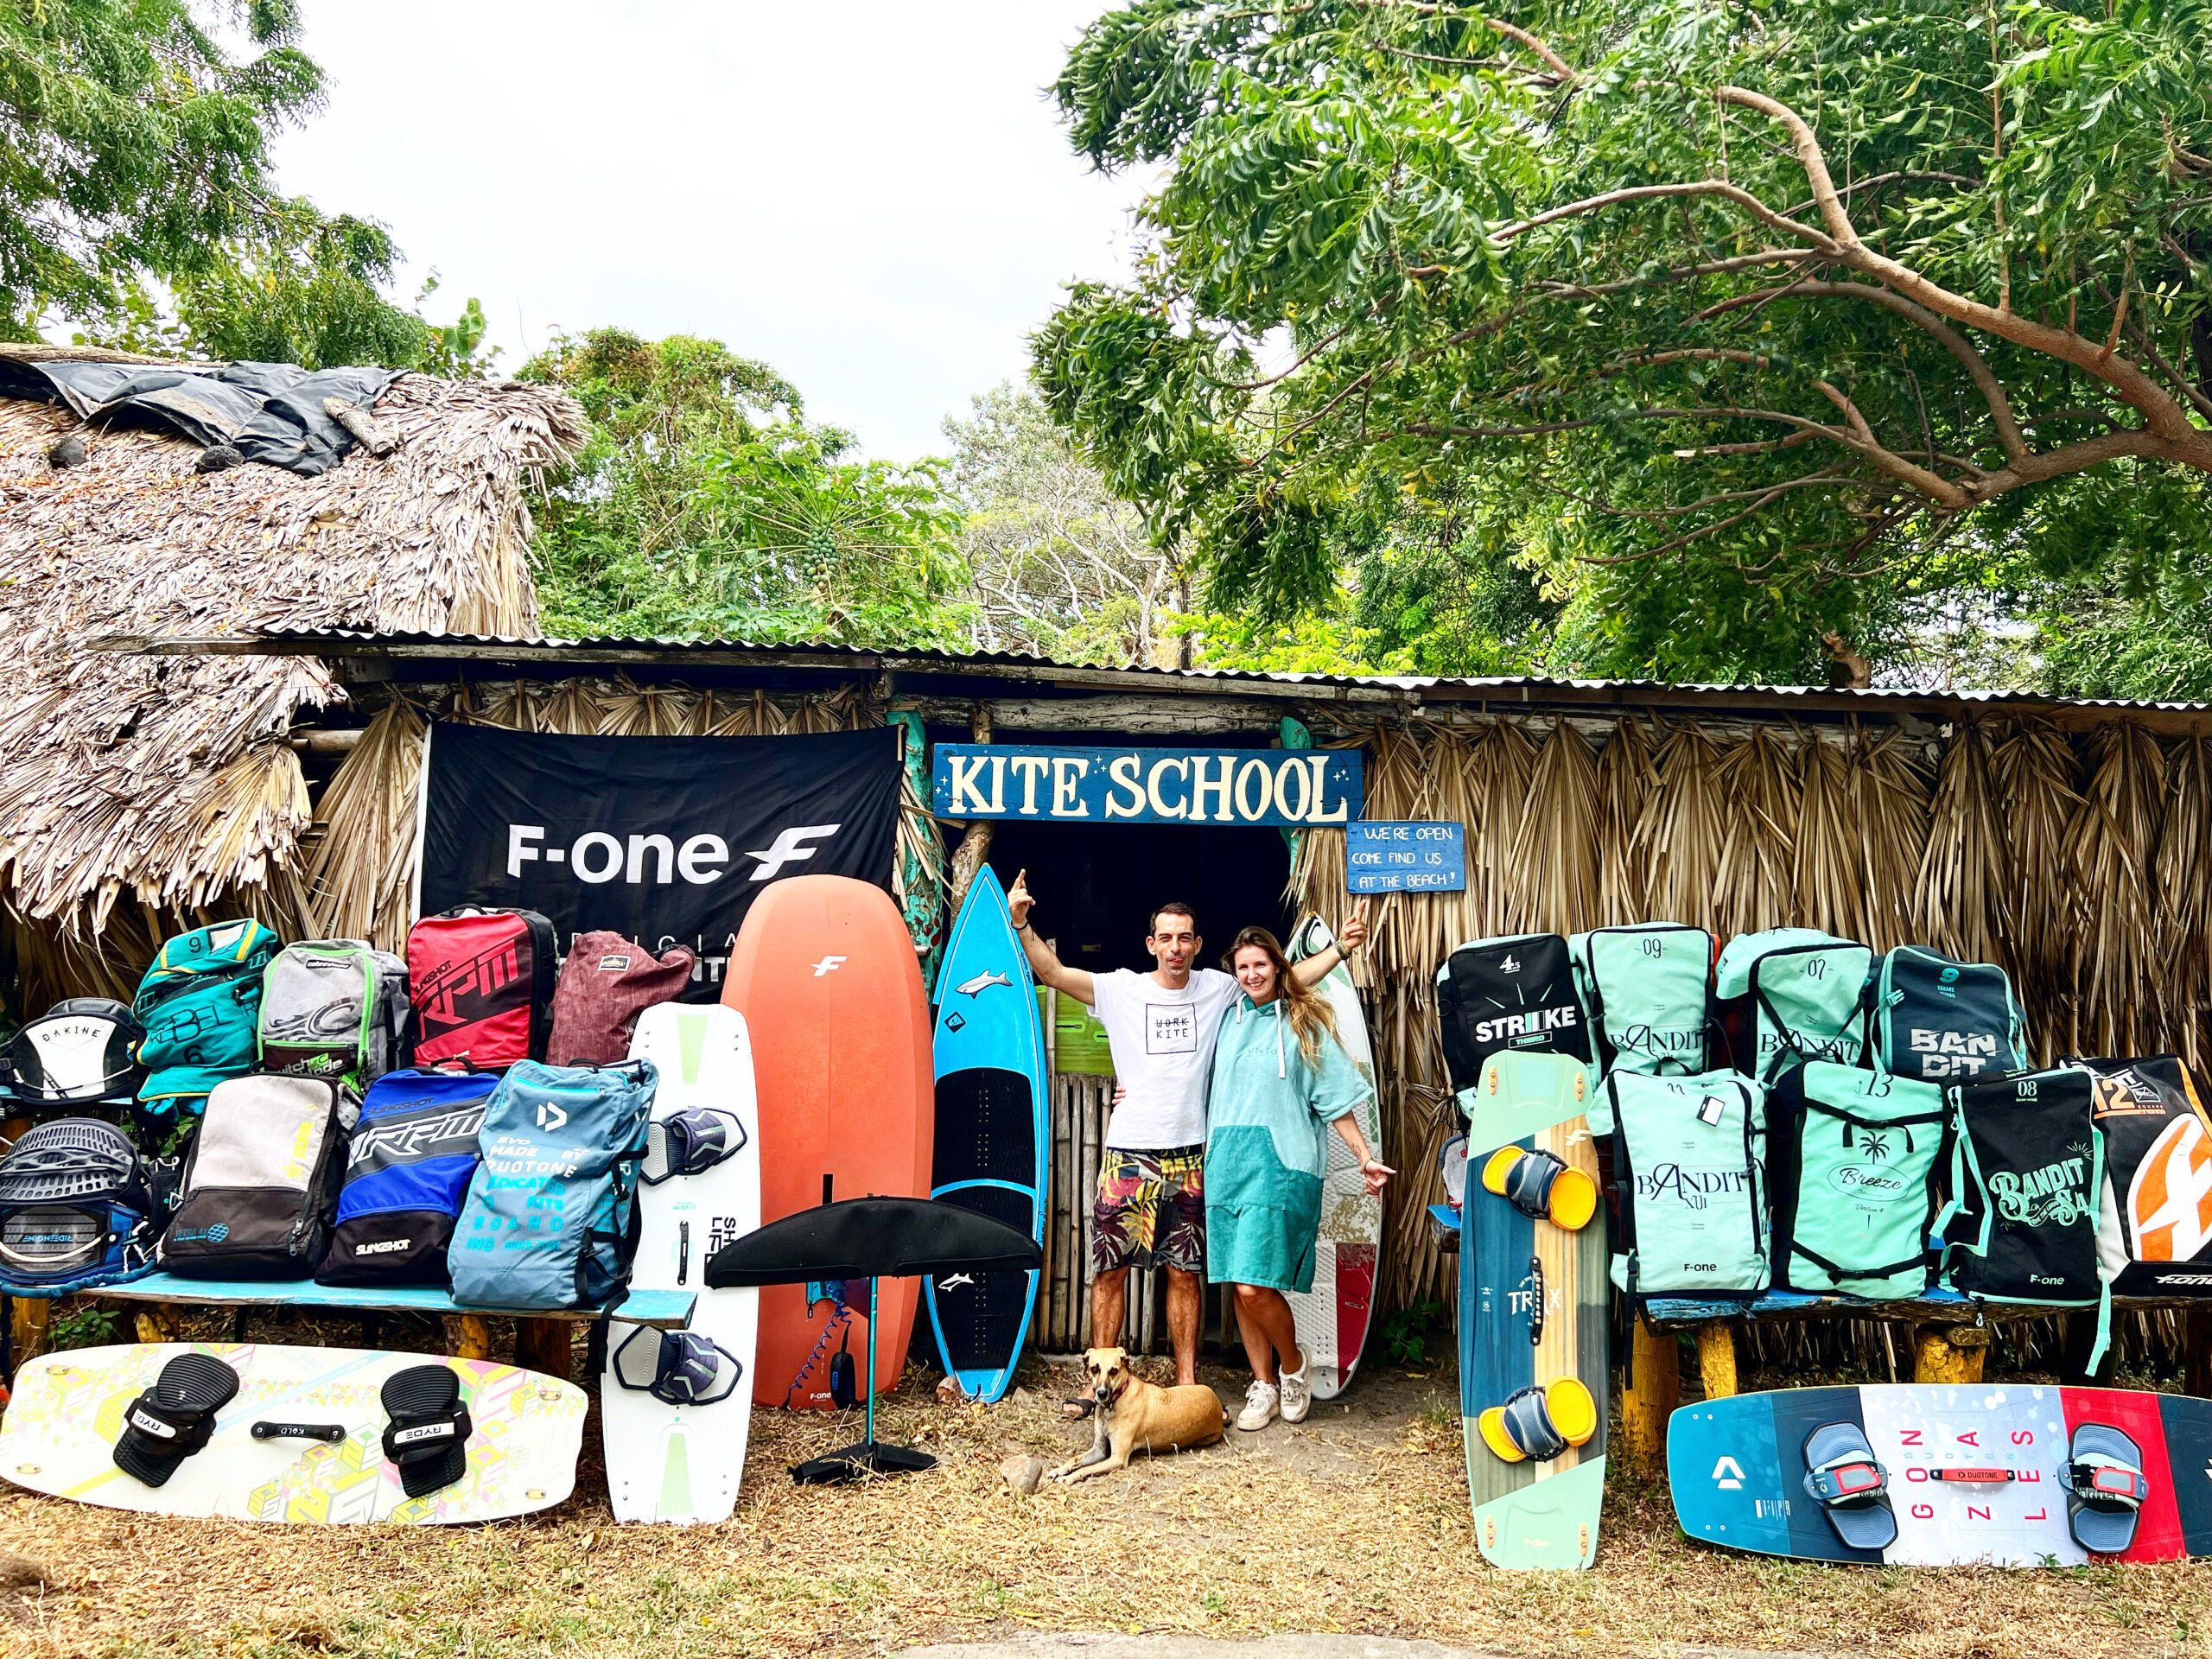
x=428, y=1434
x=1844, y=1478
x=1538, y=1423
x=678, y=1368
x=1543, y=1185
x=173, y=1420
x=2106, y=1489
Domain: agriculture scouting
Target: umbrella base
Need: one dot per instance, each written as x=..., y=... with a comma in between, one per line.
x=858, y=1461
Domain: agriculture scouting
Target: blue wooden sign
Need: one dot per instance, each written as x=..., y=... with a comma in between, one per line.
x=1284, y=787
x=1409, y=857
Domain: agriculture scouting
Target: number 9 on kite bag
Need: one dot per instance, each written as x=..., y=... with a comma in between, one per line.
x=2027, y=1175
x=551, y=1218
x=1853, y=1160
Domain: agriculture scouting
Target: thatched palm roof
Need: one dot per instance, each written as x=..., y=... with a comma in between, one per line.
x=168, y=778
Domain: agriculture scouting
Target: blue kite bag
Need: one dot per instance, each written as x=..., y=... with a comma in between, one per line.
x=409, y=1164
x=550, y=1220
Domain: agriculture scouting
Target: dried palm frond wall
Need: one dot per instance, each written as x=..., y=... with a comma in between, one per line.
x=360, y=873
x=2077, y=862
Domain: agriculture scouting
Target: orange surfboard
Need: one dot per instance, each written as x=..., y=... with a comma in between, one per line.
x=824, y=973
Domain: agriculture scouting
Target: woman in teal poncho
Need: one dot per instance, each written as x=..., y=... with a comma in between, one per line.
x=1280, y=1081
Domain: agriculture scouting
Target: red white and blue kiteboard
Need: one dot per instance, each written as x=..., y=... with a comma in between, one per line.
x=1991, y=1474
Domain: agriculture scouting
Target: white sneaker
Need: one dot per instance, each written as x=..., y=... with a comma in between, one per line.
x=1297, y=1394
x=1259, y=1407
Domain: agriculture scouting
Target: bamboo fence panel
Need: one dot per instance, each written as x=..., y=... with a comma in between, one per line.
x=2034, y=770
x=2111, y=843
x=2182, y=886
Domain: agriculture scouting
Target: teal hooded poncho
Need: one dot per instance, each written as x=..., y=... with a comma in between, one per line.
x=1268, y=1146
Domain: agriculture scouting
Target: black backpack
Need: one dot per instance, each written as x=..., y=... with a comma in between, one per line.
x=1517, y=992
x=1944, y=1020
x=261, y=1182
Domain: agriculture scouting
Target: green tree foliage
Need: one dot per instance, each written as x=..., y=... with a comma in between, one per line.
x=704, y=505
x=1732, y=324
x=131, y=141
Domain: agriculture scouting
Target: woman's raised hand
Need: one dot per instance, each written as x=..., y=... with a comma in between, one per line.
x=1354, y=933
x=1018, y=900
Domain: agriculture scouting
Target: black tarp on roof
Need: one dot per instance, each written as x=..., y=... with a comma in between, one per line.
x=270, y=413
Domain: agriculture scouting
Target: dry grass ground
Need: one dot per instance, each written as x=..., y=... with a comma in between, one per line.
x=1356, y=1520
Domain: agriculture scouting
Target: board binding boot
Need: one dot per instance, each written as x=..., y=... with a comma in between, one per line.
x=689, y=1142
x=678, y=1368
x=173, y=1420
x=2105, y=1489
x=428, y=1434
x=1842, y=1477
x=1539, y=1422
x=1542, y=1186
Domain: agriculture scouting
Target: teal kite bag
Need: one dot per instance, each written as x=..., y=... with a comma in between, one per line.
x=1791, y=995
x=1855, y=1160
x=1689, y=1161
x=1647, y=996
x=550, y=1220
x=200, y=1003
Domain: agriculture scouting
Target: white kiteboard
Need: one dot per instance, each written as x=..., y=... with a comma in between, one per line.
x=67, y=1412
x=670, y=1462
x=1332, y=1319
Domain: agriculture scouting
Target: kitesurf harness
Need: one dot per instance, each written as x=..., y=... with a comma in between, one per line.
x=690, y=1142
x=678, y=1368
x=1542, y=1186
x=1539, y=1422
x=428, y=1433
x=172, y=1419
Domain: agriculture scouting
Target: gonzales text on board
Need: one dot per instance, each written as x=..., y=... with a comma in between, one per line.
x=1245, y=786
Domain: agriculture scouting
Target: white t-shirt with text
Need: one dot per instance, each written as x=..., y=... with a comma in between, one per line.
x=1163, y=1053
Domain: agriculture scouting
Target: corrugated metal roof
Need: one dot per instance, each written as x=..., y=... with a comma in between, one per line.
x=827, y=655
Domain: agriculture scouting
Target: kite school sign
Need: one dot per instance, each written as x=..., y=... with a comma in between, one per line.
x=1288, y=788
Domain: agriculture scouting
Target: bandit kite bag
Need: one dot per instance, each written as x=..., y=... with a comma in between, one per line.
x=606, y=983
x=333, y=1008
x=2027, y=1176
x=2154, y=1221
x=262, y=1180
x=1647, y=996
x=408, y=1163
x=1951, y=1021
x=78, y=1209
x=200, y=1003
x=1792, y=995
x=1689, y=1161
x=551, y=1218
x=1853, y=1160
x=481, y=983
x=1516, y=992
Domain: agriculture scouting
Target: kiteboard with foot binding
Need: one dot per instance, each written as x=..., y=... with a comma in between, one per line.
x=325, y=1436
x=1932, y=1475
x=1532, y=1313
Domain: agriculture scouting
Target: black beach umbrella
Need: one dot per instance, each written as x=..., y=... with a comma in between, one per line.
x=870, y=1239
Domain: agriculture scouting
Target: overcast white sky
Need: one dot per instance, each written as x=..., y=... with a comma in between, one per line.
x=874, y=198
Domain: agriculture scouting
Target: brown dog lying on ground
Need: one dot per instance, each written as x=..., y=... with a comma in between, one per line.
x=1134, y=1415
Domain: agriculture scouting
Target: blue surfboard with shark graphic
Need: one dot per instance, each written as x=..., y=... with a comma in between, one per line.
x=992, y=1134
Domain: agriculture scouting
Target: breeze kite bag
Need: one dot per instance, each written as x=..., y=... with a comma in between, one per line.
x=1853, y=1159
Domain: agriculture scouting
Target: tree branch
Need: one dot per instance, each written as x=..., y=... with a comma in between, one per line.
x=1726, y=192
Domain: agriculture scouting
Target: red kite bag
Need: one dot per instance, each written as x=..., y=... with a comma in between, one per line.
x=481, y=983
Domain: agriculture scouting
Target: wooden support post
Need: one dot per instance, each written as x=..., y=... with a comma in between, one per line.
x=1949, y=1353
x=33, y=1314
x=542, y=1345
x=2196, y=1351
x=469, y=1336
x=1716, y=1358
x=159, y=1322
x=1654, y=1390
x=975, y=846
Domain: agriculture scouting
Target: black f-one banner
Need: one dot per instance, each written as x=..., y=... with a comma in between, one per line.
x=664, y=840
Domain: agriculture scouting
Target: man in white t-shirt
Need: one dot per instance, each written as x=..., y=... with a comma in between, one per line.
x=1151, y=1207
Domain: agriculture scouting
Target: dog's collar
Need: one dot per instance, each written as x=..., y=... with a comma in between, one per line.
x=1118, y=1393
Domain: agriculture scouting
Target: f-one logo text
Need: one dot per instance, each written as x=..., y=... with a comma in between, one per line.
x=597, y=857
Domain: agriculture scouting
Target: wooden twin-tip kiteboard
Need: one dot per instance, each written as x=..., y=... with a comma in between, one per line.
x=1533, y=1298
x=66, y=1413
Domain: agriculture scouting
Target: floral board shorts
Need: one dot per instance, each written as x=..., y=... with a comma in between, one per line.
x=1151, y=1210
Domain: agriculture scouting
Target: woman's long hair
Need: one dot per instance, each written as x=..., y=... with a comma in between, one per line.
x=1310, y=1016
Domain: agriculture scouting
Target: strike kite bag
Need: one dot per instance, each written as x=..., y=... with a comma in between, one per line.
x=408, y=1163
x=1647, y=996
x=1854, y=1161
x=200, y=1003
x=78, y=1209
x=2026, y=1179
x=1508, y=992
x=2154, y=1222
x=1950, y=1022
x=552, y=1219
x=606, y=983
x=333, y=1008
x=481, y=983
x=261, y=1180
x=1689, y=1157
x=1792, y=995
